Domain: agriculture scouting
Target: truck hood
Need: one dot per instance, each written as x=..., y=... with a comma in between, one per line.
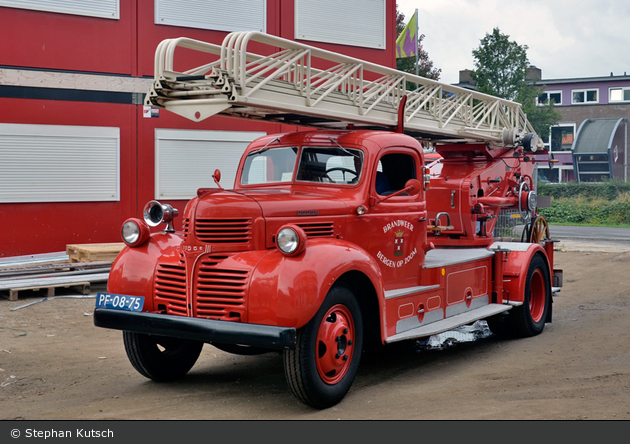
x=222, y=204
x=289, y=204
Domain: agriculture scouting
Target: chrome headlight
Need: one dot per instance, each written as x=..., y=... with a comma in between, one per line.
x=135, y=232
x=291, y=240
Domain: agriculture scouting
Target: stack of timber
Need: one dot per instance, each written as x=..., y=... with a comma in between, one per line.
x=93, y=252
x=89, y=264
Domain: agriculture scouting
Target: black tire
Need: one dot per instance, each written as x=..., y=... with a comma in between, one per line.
x=528, y=319
x=161, y=358
x=324, y=363
x=499, y=325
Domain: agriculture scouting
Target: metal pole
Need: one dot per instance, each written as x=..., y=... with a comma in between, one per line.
x=417, y=35
x=625, y=155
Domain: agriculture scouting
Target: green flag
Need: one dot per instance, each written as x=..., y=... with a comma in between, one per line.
x=406, y=41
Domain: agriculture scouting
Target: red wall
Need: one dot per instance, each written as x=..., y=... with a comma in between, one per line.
x=30, y=228
x=52, y=41
x=69, y=42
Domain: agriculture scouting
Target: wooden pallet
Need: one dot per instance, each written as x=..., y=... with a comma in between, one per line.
x=93, y=252
x=10, y=288
x=82, y=287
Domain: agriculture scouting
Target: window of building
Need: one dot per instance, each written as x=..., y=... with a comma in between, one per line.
x=619, y=94
x=229, y=16
x=550, y=96
x=561, y=137
x=186, y=159
x=56, y=163
x=93, y=8
x=584, y=96
x=351, y=22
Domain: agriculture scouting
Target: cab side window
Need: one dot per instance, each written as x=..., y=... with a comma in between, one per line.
x=394, y=170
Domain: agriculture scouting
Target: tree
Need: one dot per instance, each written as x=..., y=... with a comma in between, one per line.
x=408, y=64
x=400, y=21
x=500, y=66
x=501, y=70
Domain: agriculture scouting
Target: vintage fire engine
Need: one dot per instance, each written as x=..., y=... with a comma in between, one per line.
x=335, y=236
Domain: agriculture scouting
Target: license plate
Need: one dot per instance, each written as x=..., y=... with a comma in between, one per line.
x=119, y=301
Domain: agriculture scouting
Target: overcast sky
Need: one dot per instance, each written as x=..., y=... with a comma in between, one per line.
x=565, y=39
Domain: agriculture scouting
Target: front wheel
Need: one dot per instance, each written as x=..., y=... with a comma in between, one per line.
x=161, y=358
x=322, y=367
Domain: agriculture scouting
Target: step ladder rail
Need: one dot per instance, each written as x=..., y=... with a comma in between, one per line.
x=428, y=94
x=336, y=79
x=279, y=66
x=381, y=92
x=165, y=55
x=456, y=105
x=236, y=49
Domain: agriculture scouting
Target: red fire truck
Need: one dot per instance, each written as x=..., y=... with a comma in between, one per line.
x=336, y=236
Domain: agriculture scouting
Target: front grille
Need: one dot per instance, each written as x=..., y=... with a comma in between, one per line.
x=186, y=227
x=170, y=288
x=223, y=231
x=323, y=229
x=220, y=290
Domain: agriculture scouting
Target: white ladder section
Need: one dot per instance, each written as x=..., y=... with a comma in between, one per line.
x=283, y=86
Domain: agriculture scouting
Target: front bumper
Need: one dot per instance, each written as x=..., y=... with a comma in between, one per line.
x=205, y=330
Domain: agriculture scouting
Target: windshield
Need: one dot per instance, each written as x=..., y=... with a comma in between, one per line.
x=317, y=164
x=330, y=165
x=269, y=166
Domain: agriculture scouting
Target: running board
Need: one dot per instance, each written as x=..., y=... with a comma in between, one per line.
x=450, y=323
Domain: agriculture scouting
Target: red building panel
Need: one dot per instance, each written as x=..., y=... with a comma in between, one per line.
x=31, y=228
x=49, y=40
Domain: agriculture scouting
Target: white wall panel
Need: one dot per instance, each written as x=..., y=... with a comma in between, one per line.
x=348, y=22
x=185, y=160
x=241, y=15
x=54, y=163
x=94, y=8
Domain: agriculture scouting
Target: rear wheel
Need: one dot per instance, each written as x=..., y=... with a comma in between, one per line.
x=161, y=358
x=322, y=367
x=528, y=319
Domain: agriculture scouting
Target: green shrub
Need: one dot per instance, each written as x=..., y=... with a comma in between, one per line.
x=608, y=190
x=590, y=211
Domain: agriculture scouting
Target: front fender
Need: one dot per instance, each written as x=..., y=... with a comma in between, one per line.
x=133, y=270
x=288, y=291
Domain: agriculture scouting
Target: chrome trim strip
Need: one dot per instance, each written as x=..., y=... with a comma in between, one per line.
x=390, y=294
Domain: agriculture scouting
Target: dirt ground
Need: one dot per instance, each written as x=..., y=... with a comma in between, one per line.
x=54, y=364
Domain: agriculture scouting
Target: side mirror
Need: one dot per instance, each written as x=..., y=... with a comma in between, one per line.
x=217, y=177
x=413, y=187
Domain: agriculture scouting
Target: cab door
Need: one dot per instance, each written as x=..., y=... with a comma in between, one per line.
x=397, y=237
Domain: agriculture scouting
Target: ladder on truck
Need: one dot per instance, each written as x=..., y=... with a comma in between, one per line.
x=285, y=87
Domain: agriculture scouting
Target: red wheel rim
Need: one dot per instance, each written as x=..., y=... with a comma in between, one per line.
x=537, y=295
x=335, y=344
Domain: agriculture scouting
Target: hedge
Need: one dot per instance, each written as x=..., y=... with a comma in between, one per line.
x=609, y=190
x=606, y=203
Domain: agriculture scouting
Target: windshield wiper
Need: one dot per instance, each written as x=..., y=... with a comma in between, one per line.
x=345, y=150
x=264, y=148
